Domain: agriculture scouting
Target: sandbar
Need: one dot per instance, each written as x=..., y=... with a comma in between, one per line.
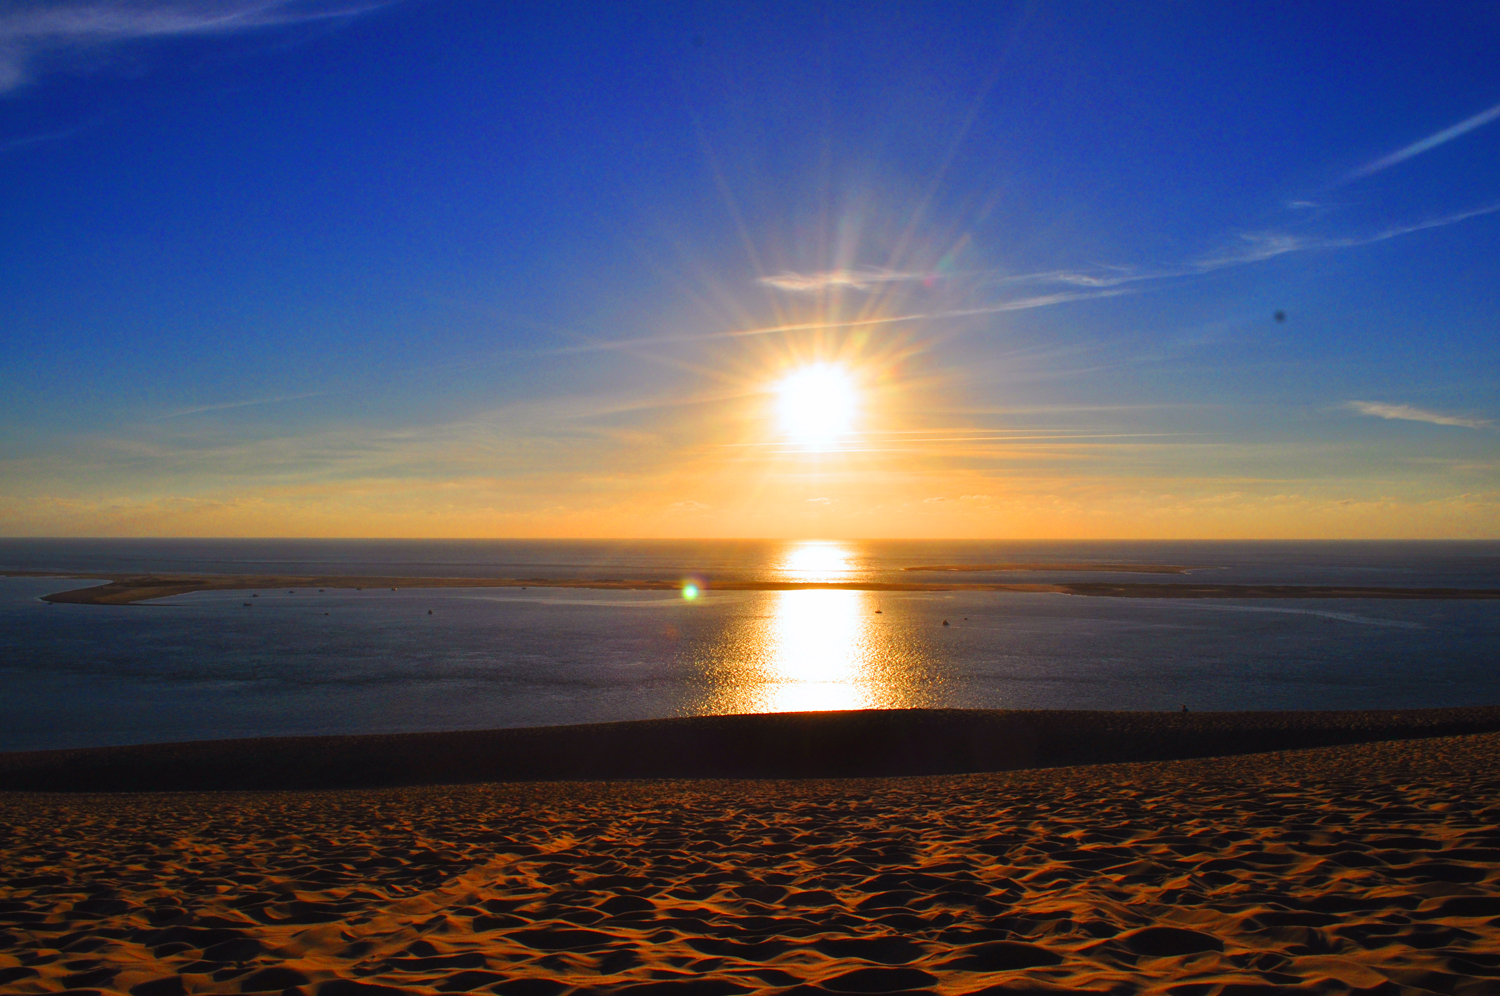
x=1087, y=568
x=128, y=589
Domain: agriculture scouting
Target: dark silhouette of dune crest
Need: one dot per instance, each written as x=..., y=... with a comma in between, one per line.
x=870, y=743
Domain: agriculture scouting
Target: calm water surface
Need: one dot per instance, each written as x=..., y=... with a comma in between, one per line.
x=343, y=661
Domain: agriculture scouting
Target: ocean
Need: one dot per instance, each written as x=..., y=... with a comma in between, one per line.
x=204, y=666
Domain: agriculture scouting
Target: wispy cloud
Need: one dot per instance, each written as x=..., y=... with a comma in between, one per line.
x=1100, y=282
x=236, y=404
x=869, y=278
x=1017, y=304
x=1111, y=277
x=1257, y=246
x=1251, y=247
x=857, y=279
x=30, y=31
x=1430, y=142
x=25, y=141
x=1410, y=413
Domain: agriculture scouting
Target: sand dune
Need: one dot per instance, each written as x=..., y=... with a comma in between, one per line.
x=864, y=743
x=1356, y=869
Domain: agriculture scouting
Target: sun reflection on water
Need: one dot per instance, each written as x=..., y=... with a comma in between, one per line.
x=818, y=653
x=816, y=561
x=812, y=649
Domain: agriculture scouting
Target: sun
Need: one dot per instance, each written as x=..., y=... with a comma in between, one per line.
x=817, y=404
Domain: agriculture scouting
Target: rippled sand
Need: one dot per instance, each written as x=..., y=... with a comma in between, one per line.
x=1368, y=868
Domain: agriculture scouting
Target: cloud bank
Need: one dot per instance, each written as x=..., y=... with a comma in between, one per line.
x=33, y=30
x=1409, y=413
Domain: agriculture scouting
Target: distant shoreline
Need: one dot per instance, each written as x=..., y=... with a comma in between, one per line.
x=128, y=589
x=1057, y=566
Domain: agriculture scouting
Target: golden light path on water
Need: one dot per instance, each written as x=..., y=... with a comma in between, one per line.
x=819, y=653
x=815, y=649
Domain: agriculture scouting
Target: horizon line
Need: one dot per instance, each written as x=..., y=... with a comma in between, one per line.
x=756, y=539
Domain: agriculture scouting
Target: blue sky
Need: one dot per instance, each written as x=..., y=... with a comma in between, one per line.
x=457, y=268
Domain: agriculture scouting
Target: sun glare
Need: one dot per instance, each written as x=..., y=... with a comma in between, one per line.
x=817, y=560
x=816, y=404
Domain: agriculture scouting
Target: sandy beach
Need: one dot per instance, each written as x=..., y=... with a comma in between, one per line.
x=1364, y=868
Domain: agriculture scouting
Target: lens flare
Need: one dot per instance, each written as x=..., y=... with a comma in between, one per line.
x=689, y=591
x=816, y=404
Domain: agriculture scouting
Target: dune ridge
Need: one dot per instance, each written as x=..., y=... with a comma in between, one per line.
x=1365, y=869
x=867, y=743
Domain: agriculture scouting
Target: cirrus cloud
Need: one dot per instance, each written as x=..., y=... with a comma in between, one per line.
x=31, y=32
x=857, y=279
x=1432, y=141
x=1410, y=413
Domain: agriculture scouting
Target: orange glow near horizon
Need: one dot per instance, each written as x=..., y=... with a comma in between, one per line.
x=835, y=433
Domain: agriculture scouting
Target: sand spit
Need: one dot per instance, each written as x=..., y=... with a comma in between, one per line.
x=1091, y=568
x=1365, y=869
x=127, y=589
x=869, y=743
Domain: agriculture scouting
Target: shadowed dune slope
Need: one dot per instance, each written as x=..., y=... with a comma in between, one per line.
x=873, y=743
x=1360, y=870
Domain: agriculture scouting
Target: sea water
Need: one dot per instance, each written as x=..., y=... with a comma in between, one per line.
x=344, y=661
